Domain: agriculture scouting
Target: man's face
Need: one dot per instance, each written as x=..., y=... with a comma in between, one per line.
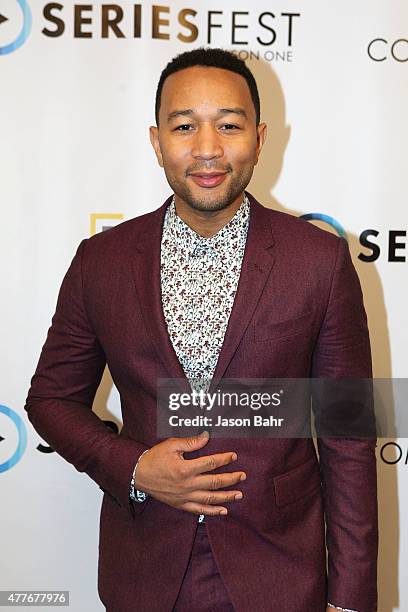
x=207, y=142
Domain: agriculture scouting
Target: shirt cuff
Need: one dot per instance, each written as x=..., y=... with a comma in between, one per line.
x=135, y=494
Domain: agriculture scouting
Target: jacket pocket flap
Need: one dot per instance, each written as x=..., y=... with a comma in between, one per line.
x=283, y=329
x=297, y=483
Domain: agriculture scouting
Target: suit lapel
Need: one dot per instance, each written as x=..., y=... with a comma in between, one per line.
x=146, y=272
x=256, y=266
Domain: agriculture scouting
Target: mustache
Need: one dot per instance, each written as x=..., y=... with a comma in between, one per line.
x=208, y=168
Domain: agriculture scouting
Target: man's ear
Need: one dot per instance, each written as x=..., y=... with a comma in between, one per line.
x=261, y=137
x=154, y=139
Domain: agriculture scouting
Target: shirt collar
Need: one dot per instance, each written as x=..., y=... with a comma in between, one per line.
x=193, y=244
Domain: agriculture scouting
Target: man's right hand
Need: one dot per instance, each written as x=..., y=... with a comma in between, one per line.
x=164, y=474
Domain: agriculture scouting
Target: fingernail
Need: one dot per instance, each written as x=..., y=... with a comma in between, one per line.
x=205, y=433
x=234, y=457
x=223, y=511
x=243, y=477
x=238, y=496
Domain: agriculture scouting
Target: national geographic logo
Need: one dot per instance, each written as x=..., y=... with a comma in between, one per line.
x=273, y=33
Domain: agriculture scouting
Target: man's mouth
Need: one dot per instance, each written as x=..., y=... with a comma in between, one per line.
x=208, y=179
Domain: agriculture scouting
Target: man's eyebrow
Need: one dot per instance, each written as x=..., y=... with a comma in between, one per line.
x=188, y=112
x=236, y=110
x=180, y=113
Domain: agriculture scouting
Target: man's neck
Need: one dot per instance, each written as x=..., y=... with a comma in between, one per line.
x=206, y=223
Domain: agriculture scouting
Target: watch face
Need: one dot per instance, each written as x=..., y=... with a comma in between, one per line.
x=140, y=495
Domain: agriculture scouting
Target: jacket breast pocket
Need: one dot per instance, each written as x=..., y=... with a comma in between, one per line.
x=285, y=328
x=297, y=482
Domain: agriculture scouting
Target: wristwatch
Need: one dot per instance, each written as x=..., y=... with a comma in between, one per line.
x=136, y=494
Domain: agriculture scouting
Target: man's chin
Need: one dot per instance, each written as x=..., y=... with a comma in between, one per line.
x=208, y=205
x=210, y=202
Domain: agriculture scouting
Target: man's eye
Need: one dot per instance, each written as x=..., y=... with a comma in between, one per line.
x=181, y=127
x=230, y=125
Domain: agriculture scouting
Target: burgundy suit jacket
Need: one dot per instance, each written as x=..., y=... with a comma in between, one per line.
x=298, y=312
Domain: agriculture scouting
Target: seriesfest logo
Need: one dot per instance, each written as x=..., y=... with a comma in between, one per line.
x=8, y=24
x=393, y=250
x=13, y=438
x=272, y=33
x=11, y=450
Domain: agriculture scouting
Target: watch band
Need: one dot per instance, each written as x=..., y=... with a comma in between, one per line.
x=136, y=494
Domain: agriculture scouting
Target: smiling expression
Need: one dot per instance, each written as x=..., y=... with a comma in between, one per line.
x=207, y=140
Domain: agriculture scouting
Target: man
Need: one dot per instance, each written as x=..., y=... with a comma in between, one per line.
x=212, y=285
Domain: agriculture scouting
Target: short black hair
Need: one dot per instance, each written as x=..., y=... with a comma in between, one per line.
x=217, y=58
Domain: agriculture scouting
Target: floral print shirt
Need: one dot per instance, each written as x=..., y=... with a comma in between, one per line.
x=199, y=278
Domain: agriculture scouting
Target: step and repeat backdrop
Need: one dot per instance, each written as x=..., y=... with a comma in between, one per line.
x=77, y=89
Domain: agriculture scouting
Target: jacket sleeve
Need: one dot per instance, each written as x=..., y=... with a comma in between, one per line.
x=348, y=464
x=59, y=402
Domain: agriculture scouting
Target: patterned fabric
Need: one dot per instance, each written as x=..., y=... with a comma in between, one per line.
x=199, y=281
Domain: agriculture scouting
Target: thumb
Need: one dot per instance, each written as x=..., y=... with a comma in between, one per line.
x=193, y=442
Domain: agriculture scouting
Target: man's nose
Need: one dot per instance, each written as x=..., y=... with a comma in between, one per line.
x=207, y=143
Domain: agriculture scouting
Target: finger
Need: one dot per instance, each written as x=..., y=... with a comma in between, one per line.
x=191, y=443
x=217, y=481
x=210, y=462
x=209, y=498
x=203, y=509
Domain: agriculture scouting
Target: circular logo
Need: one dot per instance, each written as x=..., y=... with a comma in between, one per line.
x=8, y=445
x=338, y=228
x=21, y=20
